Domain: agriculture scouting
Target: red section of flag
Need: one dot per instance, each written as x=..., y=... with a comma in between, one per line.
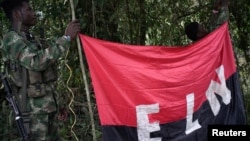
x=125, y=76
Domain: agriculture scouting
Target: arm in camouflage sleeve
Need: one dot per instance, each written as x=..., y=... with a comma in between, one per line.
x=220, y=14
x=29, y=55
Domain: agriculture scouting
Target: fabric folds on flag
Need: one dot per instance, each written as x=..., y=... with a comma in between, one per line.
x=165, y=93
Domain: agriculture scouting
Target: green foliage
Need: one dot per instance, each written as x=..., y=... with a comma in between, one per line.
x=141, y=22
x=8, y=128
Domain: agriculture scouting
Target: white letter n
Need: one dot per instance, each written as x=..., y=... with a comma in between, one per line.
x=220, y=89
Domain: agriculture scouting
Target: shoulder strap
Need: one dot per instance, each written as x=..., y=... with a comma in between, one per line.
x=23, y=101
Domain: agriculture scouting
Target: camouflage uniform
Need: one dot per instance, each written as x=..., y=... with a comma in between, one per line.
x=31, y=68
x=220, y=18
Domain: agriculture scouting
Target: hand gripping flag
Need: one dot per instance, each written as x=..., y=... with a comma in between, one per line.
x=163, y=93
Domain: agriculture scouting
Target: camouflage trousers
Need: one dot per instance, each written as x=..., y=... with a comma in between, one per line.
x=43, y=127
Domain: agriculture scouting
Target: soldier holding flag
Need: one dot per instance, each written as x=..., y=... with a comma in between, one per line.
x=31, y=69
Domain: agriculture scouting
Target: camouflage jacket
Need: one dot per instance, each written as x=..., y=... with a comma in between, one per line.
x=30, y=55
x=36, y=58
x=219, y=18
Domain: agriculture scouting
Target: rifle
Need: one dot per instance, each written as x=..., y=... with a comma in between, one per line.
x=12, y=101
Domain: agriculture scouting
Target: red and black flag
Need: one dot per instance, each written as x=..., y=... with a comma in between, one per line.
x=165, y=93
